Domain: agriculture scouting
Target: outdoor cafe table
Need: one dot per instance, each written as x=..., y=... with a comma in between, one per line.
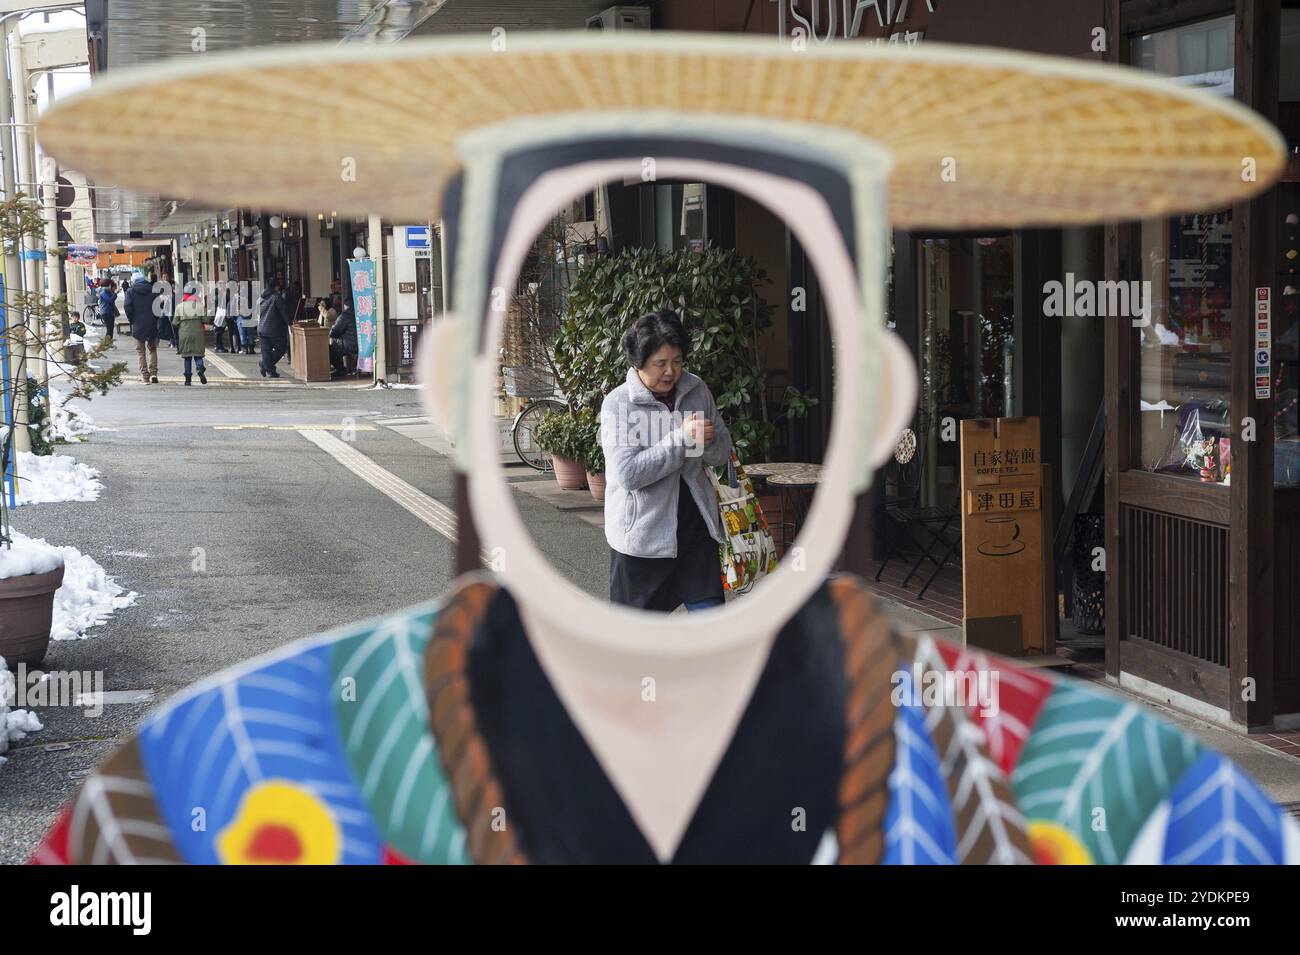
x=794, y=481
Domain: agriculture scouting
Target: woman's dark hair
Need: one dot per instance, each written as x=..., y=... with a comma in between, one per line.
x=649, y=333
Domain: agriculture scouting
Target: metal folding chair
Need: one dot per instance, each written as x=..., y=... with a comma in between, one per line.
x=924, y=527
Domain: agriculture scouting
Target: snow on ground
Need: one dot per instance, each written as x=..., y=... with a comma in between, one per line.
x=53, y=478
x=87, y=597
x=385, y=385
x=28, y=556
x=14, y=724
x=69, y=424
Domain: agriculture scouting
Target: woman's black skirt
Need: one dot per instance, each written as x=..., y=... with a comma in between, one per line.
x=664, y=583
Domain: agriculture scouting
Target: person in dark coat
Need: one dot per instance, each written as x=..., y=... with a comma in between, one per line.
x=143, y=309
x=343, y=336
x=107, y=306
x=272, y=328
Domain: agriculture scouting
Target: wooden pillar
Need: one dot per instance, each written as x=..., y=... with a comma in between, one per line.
x=1118, y=355
x=1254, y=254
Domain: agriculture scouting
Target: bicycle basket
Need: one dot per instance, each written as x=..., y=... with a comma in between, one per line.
x=524, y=382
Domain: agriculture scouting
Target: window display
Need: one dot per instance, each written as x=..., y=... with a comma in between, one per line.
x=1184, y=355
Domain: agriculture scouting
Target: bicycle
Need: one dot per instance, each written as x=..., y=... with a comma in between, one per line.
x=535, y=383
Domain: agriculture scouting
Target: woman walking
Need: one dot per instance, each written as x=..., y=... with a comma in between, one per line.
x=107, y=306
x=190, y=342
x=659, y=429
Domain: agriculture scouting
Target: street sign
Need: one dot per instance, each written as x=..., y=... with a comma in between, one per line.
x=417, y=237
x=1005, y=536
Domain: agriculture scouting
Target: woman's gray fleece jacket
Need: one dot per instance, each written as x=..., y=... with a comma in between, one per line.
x=646, y=456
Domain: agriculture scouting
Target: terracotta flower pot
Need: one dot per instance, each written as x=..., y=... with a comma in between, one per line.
x=26, y=611
x=569, y=474
x=596, y=482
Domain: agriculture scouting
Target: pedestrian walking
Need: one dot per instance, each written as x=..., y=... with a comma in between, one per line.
x=659, y=429
x=343, y=340
x=139, y=306
x=107, y=306
x=219, y=323
x=272, y=328
x=190, y=339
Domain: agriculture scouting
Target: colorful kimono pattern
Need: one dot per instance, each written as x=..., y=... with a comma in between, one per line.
x=362, y=747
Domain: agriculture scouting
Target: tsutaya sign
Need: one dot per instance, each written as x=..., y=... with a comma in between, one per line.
x=824, y=18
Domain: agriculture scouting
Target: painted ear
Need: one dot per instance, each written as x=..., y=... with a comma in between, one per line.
x=896, y=400
x=439, y=369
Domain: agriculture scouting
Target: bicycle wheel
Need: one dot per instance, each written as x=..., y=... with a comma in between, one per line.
x=90, y=315
x=525, y=441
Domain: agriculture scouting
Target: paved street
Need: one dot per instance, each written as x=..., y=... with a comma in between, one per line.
x=302, y=508
x=293, y=543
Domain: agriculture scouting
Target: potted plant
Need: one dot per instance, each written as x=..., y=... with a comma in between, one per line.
x=593, y=454
x=562, y=435
x=30, y=573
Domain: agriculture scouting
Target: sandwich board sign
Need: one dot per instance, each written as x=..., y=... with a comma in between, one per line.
x=1006, y=534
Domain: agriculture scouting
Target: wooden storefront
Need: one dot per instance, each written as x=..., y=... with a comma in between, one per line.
x=1201, y=571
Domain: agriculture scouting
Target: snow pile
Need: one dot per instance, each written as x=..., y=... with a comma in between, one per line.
x=26, y=556
x=68, y=424
x=87, y=597
x=53, y=478
x=14, y=724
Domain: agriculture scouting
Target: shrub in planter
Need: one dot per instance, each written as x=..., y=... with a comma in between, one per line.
x=562, y=435
x=716, y=294
x=593, y=455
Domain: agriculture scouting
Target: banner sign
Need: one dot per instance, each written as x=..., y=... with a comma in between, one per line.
x=362, y=272
x=83, y=254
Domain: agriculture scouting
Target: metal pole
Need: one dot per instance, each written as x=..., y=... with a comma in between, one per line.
x=25, y=150
x=12, y=267
x=375, y=236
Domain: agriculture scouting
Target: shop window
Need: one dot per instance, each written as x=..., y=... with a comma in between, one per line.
x=1183, y=306
x=1289, y=64
x=679, y=216
x=1184, y=347
x=966, y=343
x=1199, y=54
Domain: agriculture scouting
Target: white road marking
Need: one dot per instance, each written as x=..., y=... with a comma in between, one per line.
x=437, y=515
x=223, y=366
x=113, y=696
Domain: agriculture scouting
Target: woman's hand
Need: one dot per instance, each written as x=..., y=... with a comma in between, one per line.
x=699, y=430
